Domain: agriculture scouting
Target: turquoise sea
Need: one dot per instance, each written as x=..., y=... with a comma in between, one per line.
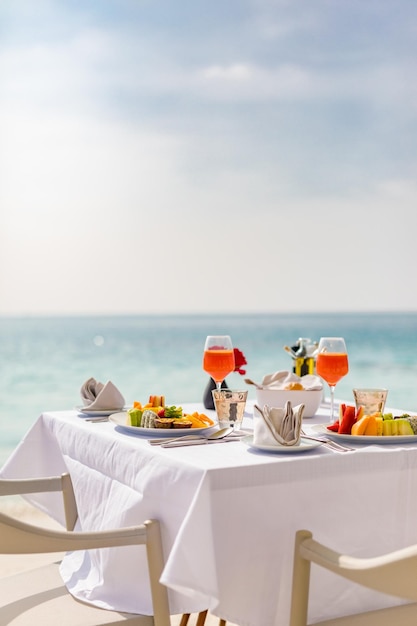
x=45, y=360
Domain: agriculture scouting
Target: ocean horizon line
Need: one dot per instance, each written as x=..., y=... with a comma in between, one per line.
x=200, y=314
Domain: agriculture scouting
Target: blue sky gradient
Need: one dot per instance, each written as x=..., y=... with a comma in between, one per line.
x=157, y=146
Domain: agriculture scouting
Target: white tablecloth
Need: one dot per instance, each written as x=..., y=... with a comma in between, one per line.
x=228, y=515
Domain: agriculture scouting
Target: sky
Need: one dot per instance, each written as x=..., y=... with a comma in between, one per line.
x=203, y=157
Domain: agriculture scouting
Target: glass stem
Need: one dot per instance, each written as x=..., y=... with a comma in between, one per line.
x=218, y=385
x=331, y=403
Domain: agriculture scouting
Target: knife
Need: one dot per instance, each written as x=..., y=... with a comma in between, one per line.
x=196, y=442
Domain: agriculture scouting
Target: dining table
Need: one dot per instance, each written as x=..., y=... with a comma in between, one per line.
x=228, y=511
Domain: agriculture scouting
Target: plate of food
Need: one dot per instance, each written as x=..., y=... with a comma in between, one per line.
x=303, y=446
x=321, y=429
x=156, y=418
x=178, y=429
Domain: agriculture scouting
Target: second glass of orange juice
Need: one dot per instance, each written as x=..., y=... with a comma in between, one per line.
x=332, y=364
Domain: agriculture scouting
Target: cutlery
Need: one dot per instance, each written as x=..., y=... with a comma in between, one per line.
x=197, y=442
x=96, y=419
x=291, y=351
x=249, y=381
x=219, y=434
x=337, y=447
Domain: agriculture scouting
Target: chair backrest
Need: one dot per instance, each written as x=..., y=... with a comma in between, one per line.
x=394, y=574
x=63, y=483
x=18, y=537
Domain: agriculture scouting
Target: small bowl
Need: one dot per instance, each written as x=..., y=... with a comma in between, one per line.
x=311, y=398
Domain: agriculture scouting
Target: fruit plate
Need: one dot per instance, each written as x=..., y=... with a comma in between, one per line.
x=119, y=419
x=305, y=445
x=84, y=412
x=321, y=429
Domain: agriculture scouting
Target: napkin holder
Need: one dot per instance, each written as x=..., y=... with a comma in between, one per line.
x=277, y=426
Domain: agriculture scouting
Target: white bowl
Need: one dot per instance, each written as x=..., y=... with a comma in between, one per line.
x=275, y=398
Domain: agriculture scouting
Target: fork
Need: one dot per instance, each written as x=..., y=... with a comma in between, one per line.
x=235, y=434
x=96, y=419
x=333, y=445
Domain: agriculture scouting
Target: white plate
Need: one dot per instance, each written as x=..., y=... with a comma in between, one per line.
x=321, y=429
x=305, y=445
x=119, y=419
x=83, y=411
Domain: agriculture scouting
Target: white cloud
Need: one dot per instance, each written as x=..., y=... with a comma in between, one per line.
x=245, y=82
x=234, y=72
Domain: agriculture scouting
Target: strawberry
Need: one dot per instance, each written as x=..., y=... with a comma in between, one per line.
x=161, y=413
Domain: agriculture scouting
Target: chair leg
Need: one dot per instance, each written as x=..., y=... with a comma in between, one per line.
x=201, y=619
x=222, y=622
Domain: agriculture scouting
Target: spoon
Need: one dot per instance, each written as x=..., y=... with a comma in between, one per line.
x=291, y=351
x=219, y=434
x=248, y=381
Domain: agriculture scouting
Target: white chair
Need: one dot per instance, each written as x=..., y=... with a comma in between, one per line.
x=38, y=596
x=63, y=483
x=394, y=574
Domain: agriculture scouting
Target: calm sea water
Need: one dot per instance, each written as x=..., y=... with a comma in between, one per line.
x=44, y=361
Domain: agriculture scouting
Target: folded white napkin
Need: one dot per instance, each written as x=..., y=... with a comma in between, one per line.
x=279, y=380
x=278, y=426
x=99, y=397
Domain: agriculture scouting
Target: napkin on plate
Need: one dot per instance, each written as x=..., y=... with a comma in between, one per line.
x=280, y=380
x=101, y=397
x=277, y=426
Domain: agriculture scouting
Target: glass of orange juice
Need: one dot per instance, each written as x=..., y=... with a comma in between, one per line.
x=332, y=364
x=219, y=358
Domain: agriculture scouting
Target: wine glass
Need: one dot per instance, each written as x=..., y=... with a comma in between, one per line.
x=219, y=358
x=332, y=364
